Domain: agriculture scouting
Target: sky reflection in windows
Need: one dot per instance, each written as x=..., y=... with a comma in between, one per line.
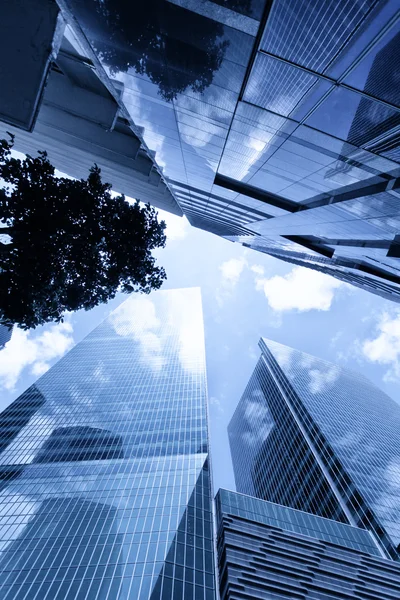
x=104, y=468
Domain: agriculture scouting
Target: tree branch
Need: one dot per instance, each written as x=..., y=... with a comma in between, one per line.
x=7, y=230
x=5, y=248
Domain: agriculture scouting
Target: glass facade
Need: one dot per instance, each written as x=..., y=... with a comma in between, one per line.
x=264, y=435
x=270, y=551
x=275, y=124
x=295, y=521
x=5, y=335
x=104, y=472
x=321, y=439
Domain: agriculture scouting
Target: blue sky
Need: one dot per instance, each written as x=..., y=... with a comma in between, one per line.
x=246, y=295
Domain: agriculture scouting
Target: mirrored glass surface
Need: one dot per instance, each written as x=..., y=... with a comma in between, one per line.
x=105, y=487
x=295, y=102
x=321, y=439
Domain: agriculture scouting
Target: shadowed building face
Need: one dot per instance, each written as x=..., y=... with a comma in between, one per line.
x=59, y=543
x=313, y=436
x=80, y=443
x=269, y=551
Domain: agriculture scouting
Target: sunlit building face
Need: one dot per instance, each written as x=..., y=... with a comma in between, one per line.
x=105, y=488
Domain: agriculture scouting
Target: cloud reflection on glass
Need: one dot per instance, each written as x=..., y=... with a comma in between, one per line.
x=333, y=449
x=104, y=468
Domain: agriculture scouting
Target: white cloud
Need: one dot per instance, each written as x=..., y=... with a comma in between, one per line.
x=100, y=374
x=135, y=316
x=138, y=318
x=257, y=418
x=177, y=227
x=215, y=403
x=258, y=269
x=191, y=336
x=39, y=368
x=254, y=354
x=307, y=361
x=392, y=475
x=140, y=113
x=284, y=356
x=25, y=349
x=384, y=349
x=336, y=338
x=302, y=289
x=231, y=271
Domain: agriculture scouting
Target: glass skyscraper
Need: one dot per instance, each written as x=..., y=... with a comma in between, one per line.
x=319, y=438
x=104, y=472
x=274, y=124
x=270, y=551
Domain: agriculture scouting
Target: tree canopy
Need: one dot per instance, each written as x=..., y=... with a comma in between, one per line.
x=73, y=244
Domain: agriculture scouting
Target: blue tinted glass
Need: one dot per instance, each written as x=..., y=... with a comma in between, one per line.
x=104, y=459
x=320, y=439
x=312, y=34
x=277, y=552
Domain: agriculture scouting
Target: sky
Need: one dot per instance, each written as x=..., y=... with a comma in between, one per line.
x=246, y=295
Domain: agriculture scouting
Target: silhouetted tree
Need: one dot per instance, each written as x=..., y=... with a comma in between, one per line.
x=72, y=246
x=176, y=48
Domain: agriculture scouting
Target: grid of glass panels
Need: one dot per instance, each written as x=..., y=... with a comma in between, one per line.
x=332, y=97
x=295, y=521
x=179, y=68
x=299, y=100
x=5, y=335
x=271, y=458
x=354, y=428
x=270, y=551
x=104, y=481
x=304, y=110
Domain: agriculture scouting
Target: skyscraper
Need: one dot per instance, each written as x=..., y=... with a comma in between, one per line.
x=270, y=551
x=54, y=99
x=272, y=124
x=319, y=438
x=105, y=486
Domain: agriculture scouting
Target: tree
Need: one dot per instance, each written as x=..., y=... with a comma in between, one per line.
x=176, y=48
x=73, y=245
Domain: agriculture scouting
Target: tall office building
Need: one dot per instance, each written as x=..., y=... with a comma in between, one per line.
x=105, y=484
x=273, y=124
x=54, y=99
x=270, y=551
x=319, y=438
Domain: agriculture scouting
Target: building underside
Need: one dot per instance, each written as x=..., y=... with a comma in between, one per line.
x=269, y=123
